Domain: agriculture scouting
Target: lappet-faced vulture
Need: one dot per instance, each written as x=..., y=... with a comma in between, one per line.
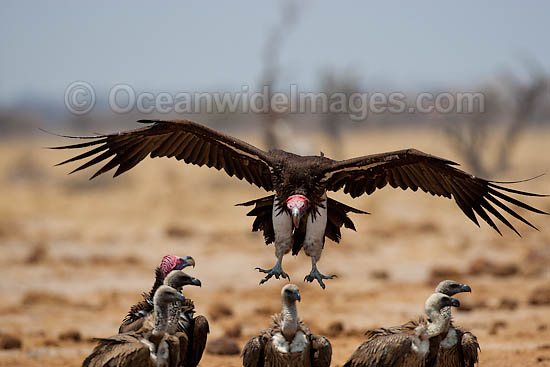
x=299, y=214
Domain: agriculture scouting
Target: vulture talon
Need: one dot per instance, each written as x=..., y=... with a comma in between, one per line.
x=276, y=271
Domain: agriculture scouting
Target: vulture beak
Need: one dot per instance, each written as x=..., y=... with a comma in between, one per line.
x=296, y=217
x=453, y=302
x=188, y=261
x=465, y=288
x=180, y=297
x=196, y=282
x=298, y=205
x=297, y=296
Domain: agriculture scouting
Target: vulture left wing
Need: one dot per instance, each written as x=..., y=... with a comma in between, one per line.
x=181, y=139
x=412, y=169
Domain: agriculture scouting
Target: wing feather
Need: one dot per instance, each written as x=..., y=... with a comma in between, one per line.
x=412, y=169
x=183, y=139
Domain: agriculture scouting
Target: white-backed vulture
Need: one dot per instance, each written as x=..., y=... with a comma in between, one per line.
x=192, y=331
x=134, y=319
x=458, y=348
x=151, y=346
x=289, y=342
x=401, y=346
x=300, y=215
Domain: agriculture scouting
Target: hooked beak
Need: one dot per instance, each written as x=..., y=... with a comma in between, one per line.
x=297, y=296
x=180, y=297
x=188, y=261
x=196, y=282
x=454, y=302
x=465, y=288
x=296, y=217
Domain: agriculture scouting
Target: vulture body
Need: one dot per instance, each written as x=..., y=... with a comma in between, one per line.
x=289, y=342
x=458, y=348
x=150, y=346
x=406, y=346
x=138, y=312
x=300, y=209
x=191, y=331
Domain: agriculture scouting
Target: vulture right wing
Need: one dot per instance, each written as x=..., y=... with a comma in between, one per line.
x=412, y=169
x=321, y=351
x=197, y=341
x=381, y=350
x=181, y=139
x=254, y=352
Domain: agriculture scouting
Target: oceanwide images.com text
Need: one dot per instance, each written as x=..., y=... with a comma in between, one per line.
x=80, y=99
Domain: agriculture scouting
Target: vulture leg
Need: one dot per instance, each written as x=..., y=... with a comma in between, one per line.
x=282, y=224
x=316, y=275
x=315, y=241
x=276, y=270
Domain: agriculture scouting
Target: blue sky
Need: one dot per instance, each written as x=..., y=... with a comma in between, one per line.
x=194, y=45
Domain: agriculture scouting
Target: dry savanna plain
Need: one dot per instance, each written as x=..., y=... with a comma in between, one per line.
x=76, y=254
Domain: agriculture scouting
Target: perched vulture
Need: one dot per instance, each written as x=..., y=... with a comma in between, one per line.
x=150, y=346
x=192, y=331
x=134, y=318
x=458, y=348
x=289, y=342
x=299, y=214
x=404, y=346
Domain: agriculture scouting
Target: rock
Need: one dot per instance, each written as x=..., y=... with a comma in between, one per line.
x=8, y=341
x=335, y=329
x=233, y=332
x=380, y=274
x=223, y=346
x=509, y=304
x=540, y=296
x=72, y=335
x=220, y=310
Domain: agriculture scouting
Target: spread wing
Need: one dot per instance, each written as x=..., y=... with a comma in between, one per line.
x=412, y=169
x=321, y=351
x=181, y=139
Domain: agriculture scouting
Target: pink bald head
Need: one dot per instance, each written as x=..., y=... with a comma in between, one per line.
x=172, y=262
x=297, y=205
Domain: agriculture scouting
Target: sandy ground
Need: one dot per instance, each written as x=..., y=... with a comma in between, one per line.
x=76, y=254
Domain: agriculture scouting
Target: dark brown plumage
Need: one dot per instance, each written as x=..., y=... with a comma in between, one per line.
x=337, y=217
x=150, y=346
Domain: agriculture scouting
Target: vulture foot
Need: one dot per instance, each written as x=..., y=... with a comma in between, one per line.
x=276, y=271
x=316, y=275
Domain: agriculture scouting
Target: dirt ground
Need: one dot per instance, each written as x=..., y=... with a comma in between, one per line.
x=75, y=254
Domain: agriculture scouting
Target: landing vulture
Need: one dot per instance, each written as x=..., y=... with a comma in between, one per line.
x=138, y=312
x=150, y=346
x=289, y=342
x=299, y=214
x=407, y=347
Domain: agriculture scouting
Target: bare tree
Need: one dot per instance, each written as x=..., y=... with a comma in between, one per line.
x=271, y=64
x=470, y=134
